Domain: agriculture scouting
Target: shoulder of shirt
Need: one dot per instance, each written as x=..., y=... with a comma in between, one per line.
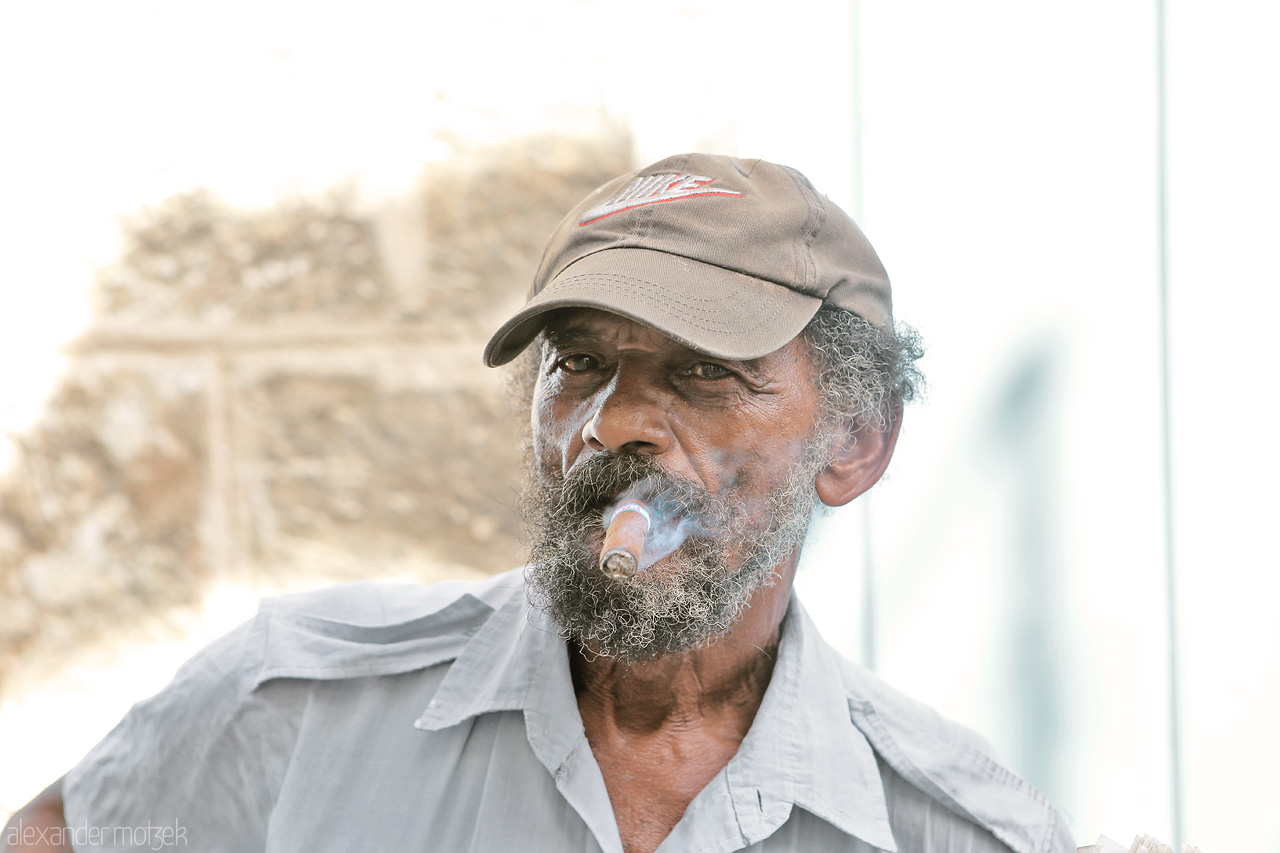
x=953, y=765
x=370, y=629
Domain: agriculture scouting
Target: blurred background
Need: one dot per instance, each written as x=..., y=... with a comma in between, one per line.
x=251, y=252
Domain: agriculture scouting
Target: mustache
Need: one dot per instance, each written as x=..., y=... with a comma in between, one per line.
x=580, y=502
x=607, y=478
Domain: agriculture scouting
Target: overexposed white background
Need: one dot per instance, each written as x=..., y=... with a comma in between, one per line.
x=1002, y=156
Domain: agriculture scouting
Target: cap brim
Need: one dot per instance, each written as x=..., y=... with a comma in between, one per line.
x=707, y=308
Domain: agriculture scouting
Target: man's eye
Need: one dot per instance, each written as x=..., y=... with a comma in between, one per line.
x=578, y=363
x=709, y=370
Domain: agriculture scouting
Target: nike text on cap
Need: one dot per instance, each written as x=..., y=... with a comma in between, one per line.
x=729, y=257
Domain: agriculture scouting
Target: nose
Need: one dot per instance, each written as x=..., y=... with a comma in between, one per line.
x=629, y=417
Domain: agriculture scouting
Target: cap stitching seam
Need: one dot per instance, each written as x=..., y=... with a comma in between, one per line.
x=804, y=249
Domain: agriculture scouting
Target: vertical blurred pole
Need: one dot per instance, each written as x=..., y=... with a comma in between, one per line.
x=1166, y=441
x=868, y=622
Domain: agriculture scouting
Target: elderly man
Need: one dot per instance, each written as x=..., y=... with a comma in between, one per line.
x=708, y=342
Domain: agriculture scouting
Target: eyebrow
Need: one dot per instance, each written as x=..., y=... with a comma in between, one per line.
x=570, y=336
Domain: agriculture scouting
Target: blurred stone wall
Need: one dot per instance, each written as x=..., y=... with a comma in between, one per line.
x=282, y=393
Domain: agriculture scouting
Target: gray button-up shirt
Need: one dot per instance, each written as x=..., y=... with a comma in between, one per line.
x=443, y=718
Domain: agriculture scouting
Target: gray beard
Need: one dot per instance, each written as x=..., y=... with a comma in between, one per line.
x=695, y=597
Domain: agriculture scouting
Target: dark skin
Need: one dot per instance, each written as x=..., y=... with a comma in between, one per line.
x=661, y=730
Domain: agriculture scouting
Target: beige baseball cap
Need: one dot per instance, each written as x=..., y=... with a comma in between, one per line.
x=729, y=257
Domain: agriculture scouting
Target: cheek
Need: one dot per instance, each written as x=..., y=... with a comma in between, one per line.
x=557, y=428
x=744, y=448
x=751, y=464
x=541, y=423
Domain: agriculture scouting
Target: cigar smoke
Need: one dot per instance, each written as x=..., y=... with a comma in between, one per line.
x=642, y=527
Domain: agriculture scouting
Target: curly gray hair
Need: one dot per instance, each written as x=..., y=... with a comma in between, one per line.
x=865, y=372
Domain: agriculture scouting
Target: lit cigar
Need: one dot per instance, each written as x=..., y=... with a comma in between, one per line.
x=624, y=540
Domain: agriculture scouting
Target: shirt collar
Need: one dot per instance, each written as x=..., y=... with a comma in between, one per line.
x=496, y=669
x=802, y=749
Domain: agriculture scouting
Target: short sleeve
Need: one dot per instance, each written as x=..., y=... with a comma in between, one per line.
x=198, y=765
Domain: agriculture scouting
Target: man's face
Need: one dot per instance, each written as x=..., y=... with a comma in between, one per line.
x=729, y=444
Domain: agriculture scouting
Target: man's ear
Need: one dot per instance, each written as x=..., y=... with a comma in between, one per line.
x=858, y=462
